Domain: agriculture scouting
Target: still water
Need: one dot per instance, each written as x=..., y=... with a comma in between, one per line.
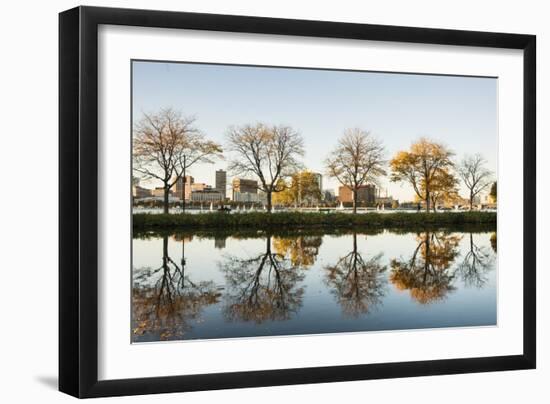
x=222, y=285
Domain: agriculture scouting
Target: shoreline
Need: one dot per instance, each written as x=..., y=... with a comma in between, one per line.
x=298, y=220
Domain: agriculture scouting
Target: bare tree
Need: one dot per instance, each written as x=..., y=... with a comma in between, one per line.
x=165, y=301
x=264, y=287
x=475, y=175
x=358, y=159
x=477, y=263
x=166, y=144
x=358, y=284
x=269, y=153
x=196, y=149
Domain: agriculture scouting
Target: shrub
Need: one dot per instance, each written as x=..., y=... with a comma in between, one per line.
x=278, y=220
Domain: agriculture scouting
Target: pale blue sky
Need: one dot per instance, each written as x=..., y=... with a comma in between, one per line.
x=397, y=108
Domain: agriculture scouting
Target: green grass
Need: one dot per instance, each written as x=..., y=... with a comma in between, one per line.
x=296, y=220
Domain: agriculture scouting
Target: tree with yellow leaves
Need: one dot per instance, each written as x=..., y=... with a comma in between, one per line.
x=427, y=275
x=444, y=187
x=423, y=166
x=303, y=189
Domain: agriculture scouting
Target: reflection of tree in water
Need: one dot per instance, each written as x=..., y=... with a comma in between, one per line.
x=358, y=284
x=494, y=242
x=426, y=274
x=477, y=262
x=263, y=287
x=165, y=299
x=302, y=250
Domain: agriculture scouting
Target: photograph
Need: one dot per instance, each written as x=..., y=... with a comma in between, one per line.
x=272, y=201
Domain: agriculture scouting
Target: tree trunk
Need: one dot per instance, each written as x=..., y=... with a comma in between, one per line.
x=184, y=182
x=427, y=201
x=166, y=194
x=165, y=253
x=268, y=195
x=428, y=259
x=354, y=200
x=183, y=262
x=471, y=201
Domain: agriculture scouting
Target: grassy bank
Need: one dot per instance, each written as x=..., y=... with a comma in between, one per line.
x=297, y=220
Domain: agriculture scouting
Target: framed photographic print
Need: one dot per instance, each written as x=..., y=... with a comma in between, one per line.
x=250, y=201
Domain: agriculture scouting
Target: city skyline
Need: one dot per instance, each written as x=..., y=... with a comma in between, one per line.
x=458, y=111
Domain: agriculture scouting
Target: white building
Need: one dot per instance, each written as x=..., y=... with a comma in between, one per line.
x=207, y=195
x=249, y=197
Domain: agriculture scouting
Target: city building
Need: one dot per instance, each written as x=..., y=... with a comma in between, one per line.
x=384, y=200
x=319, y=178
x=159, y=192
x=207, y=194
x=365, y=194
x=249, y=197
x=140, y=192
x=189, y=180
x=245, y=190
x=221, y=182
x=199, y=186
x=329, y=195
x=245, y=186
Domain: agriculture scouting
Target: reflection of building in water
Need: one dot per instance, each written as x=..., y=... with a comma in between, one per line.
x=365, y=194
x=221, y=182
x=186, y=238
x=219, y=242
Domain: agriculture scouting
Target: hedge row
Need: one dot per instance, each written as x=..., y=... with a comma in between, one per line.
x=282, y=220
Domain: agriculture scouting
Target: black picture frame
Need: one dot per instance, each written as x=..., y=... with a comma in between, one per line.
x=78, y=200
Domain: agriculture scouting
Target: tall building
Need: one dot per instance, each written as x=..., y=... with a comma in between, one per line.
x=329, y=195
x=189, y=181
x=221, y=182
x=365, y=194
x=319, y=178
x=242, y=186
